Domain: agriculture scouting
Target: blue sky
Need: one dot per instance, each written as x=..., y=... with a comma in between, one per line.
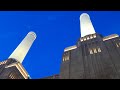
x=55, y=30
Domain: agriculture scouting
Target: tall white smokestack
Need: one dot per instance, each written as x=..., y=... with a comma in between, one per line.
x=20, y=52
x=86, y=25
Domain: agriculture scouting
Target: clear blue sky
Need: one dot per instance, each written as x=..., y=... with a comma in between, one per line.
x=55, y=30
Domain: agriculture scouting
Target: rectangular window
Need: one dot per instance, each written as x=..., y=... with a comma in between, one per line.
x=81, y=39
x=12, y=76
x=94, y=36
x=99, y=50
x=88, y=38
x=94, y=49
x=117, y=45
x=63, y=59
x=90, y=50
x=91, y=37
x=84, y=39
x=67, y=57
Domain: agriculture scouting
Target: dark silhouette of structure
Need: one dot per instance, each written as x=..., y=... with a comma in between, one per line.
x=56, y=76
x=93, y=57
x=12, y=68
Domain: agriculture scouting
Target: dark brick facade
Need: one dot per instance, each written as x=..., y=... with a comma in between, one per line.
x=10, y=72
x=95, y=58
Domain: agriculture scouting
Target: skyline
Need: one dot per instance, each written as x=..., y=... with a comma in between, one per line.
x=55, y=31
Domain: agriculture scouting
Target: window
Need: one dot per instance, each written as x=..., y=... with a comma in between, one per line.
x=12, y=76
x=65, y=58
x=94, y=36
x=91, y=37
x=99, y=50
x=117, y=45
x=94, y=49
x=81, y=39
x=84, y=39
x=3, y=62
x=88, y=38
x=91, y=52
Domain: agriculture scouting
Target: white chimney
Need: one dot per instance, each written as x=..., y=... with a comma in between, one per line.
x=20, y=52
x=86, y=25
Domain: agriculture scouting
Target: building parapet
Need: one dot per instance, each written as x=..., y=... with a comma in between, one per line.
x=70, y=48
x=110, y=37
